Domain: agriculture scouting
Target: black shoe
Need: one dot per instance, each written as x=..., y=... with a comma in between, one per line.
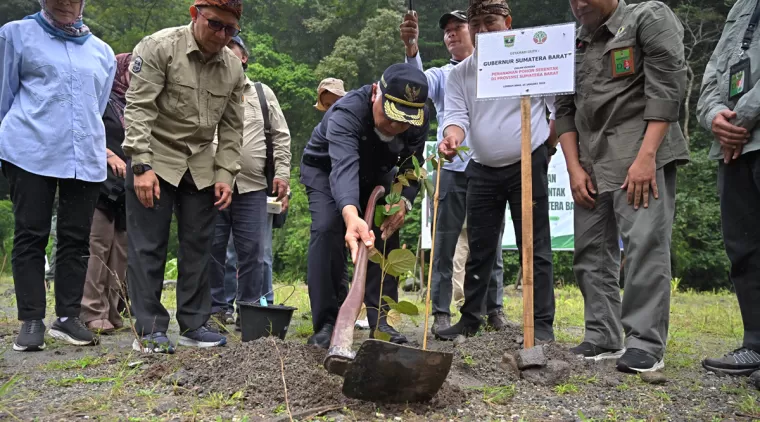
x=202, y=338
x=441, y=321
x=637, y=360
x=31, y=337
x=322, y=337
x=395, y=336
x=461, y=328
x=72, y=331
x=156, y=342
x=497, y=321
x=741, y=361
x=591, y=352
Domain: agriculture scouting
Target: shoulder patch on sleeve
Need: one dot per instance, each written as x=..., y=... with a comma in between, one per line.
x=137, y=65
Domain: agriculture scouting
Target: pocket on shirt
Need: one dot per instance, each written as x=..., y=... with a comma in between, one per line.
x=216, y=103
x=626, y=47
x=182, y=99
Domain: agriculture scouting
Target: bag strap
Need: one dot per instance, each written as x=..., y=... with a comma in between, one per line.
x=269, y=164
x=750, y=32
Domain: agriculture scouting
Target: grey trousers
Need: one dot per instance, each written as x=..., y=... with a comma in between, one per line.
x=643, y=313
x=452, y=211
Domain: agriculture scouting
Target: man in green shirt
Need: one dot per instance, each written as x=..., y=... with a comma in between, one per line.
x=185, y=84
x=729, y=107
x=622, y=142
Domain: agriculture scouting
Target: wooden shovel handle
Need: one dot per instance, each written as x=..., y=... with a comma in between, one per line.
x=343, y=334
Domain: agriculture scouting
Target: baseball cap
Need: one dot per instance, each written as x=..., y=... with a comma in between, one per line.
x=239, y=41
x=405, y=91
x=330, y=85
x=454, y=14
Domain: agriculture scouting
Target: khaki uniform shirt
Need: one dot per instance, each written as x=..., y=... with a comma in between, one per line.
x=254, y=152
x=175, y=102
x=629, y=71
x=715, y=83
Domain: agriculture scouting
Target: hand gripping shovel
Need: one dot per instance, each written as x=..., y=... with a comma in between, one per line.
x=381, y=371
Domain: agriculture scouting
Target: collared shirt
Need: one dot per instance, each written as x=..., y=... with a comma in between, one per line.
x=53, y=94
x=493, y=127
x=612, y=105
x=254, y=151
x=345, y=145
x=715, y=83
x=176, y=100
x=437, y=77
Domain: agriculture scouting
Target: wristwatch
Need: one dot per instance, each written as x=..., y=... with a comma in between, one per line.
x=408, y=203
x=139, y=169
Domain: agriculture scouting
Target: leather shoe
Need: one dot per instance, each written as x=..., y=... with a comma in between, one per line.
x=441, y=321
x=322, y=337
x=497, y=321
x=396, y=337
x=461, y=328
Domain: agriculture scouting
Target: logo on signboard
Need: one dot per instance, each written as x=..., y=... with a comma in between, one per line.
x=509, y=41
x=540, y=37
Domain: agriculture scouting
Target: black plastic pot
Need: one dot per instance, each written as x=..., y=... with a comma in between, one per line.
x=258, y=321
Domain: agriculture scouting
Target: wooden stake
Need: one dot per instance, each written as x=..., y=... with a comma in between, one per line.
x=527, y=223
x=432, y=253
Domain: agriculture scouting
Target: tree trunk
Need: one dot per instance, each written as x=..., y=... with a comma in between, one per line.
x=687, y=102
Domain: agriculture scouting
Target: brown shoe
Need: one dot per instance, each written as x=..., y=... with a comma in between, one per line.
x=100, y=326
x=497, y=321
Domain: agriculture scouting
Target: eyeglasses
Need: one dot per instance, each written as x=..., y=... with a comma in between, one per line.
x=217, y=26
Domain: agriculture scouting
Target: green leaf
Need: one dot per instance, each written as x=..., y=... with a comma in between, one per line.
x=403, y=180
x=376, y=257
x=429, y=187
x=397, y=188
x=392, y=211
x=410, y=175
x=389, y=301
x=382, y=336
x=463, y=149
x=379, y=215
x=393, y=198
x=434, y=162
x=406, y=308
x=416, y=162
x=400, y=261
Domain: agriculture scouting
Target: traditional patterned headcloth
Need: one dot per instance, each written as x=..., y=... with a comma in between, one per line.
x=488, y=7
x=233, y=6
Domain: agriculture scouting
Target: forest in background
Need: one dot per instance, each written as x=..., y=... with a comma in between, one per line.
x=296, y=43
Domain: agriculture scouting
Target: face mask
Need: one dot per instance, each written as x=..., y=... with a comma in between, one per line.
x=385, y=138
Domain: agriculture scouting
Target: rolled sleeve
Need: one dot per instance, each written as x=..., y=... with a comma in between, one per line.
x=144, y=88
x=343, y=132
x=661, y=36
x=230, y=139
x=564, y=121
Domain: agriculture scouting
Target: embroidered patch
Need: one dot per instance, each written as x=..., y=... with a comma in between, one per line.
x=137, y=65
x=623, y=62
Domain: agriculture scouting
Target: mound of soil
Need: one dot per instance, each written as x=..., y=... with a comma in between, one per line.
x=255, y=369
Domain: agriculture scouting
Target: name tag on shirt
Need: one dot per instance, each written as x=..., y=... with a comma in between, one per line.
x=623, y=62
x=739, y=79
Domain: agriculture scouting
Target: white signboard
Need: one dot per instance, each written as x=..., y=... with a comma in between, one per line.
x=531, y=61
x=560, y=207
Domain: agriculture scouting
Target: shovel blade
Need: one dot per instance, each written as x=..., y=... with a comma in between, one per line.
x=391, y=373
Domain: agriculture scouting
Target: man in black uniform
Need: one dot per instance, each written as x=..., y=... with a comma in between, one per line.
x=362, y=142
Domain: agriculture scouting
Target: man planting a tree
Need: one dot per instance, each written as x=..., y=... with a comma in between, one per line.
x=364, y=140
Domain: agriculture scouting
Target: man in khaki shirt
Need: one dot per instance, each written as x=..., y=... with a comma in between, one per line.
x=622, y=141
x=247, y=218
x=184, y=85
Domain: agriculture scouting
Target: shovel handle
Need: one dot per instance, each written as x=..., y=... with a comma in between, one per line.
x=343, y=334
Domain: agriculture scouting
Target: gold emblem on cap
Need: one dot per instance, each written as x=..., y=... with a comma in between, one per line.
x=412, y=93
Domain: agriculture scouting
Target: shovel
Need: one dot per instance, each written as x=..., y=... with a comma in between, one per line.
x=381, y=371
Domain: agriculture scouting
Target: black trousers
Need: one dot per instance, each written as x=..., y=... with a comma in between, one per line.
x=32, y=196
x=489, y=190
x=326, y=259
x=148, y=234
x=739, y=189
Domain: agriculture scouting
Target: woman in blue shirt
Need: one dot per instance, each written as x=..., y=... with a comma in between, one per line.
x=55, y=81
